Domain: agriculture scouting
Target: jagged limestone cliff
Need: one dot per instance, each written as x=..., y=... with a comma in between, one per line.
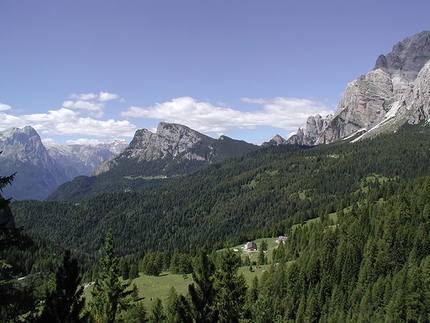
x=396, y=91
x=175, y=143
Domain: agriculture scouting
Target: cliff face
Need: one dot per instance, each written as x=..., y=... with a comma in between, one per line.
x=37, y=173
x=175, y=144
x=79, y=160
x=396, y=91
x=40, y=169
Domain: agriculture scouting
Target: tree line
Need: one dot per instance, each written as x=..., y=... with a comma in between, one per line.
x=233, y=200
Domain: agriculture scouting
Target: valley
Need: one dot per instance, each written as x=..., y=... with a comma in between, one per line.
x=156, y=231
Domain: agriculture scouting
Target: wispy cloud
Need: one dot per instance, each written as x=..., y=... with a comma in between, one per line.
x=284, y=113
x=66, y=122
x=93, y=108
x=91, y=103
x=4, y=107
x=105, y=96
x=83, y=96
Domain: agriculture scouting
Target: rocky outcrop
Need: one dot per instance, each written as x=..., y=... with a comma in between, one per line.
x=37, y=173
x=175, y=143
x=25, y=145
x=308, y=137
x=170, y=140
x=396, y=91
x=276, y=141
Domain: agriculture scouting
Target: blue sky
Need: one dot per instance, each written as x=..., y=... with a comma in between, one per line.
x=98, y=70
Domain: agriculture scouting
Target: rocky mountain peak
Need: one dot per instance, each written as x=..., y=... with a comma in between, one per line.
x=276, y=141
x=24, y=145
x=170, y=140
x=40, y=169
x=407, y=57
x=394, y=92
x=177, y=143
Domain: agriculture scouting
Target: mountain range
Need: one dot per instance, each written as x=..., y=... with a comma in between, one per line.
x=171, y=152
x=395, y=92
x=42, y=167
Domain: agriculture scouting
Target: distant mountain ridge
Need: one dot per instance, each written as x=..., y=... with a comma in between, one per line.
x=395, y=92
x=151, y=158
x=41, y=168
x=84, y=159
x=178, y=143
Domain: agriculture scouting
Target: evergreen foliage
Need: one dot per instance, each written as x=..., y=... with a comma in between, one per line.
x=233, y=200
x=365, y=256
x=230, y=288
x=202, y=291
x=16, y=300
x=109, y=295
x=65, y=303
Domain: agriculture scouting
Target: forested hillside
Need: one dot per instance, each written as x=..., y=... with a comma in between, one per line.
x=373, y=265
x=235, y=200
x=158, y=163
x=365, y=257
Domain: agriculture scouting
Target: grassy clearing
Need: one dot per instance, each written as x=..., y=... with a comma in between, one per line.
x=153, y=287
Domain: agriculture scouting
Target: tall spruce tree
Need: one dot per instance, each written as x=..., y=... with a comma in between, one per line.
x=66, y=302
x=109, y=295
x=202, y=291
x=230, y=287
x=15, y=299
x=157, y=312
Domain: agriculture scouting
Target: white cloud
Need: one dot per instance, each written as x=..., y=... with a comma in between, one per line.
x=284, y=113
x=66, y=122
x=83, y=141
x=93, y=108
x=90, y=103
x=9, y=121
x=4, y=107
x=48, y=142
x=105, y=96
x=83, y=96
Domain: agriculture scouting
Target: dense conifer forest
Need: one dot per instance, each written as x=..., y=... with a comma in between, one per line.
x=236, y=200
x=366, y=257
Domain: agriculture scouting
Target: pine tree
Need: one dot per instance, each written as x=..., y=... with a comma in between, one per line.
x=177, y=308
x=136, y=314
x=65, y=303
x=202, y=292
x=231, y=288
x=134, y=272
x=261, y=260
x=157, y=313
x=15, y=299
x=109, y=294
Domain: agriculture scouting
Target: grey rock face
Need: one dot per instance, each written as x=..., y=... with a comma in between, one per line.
x=309, y=136
x=173, y=144
x=394, y=92
x=84, y=159
x=408, y=56
x=37, y=173
x=24, y=145
x=41, y=169
x=276, y=141
x=170, y=141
